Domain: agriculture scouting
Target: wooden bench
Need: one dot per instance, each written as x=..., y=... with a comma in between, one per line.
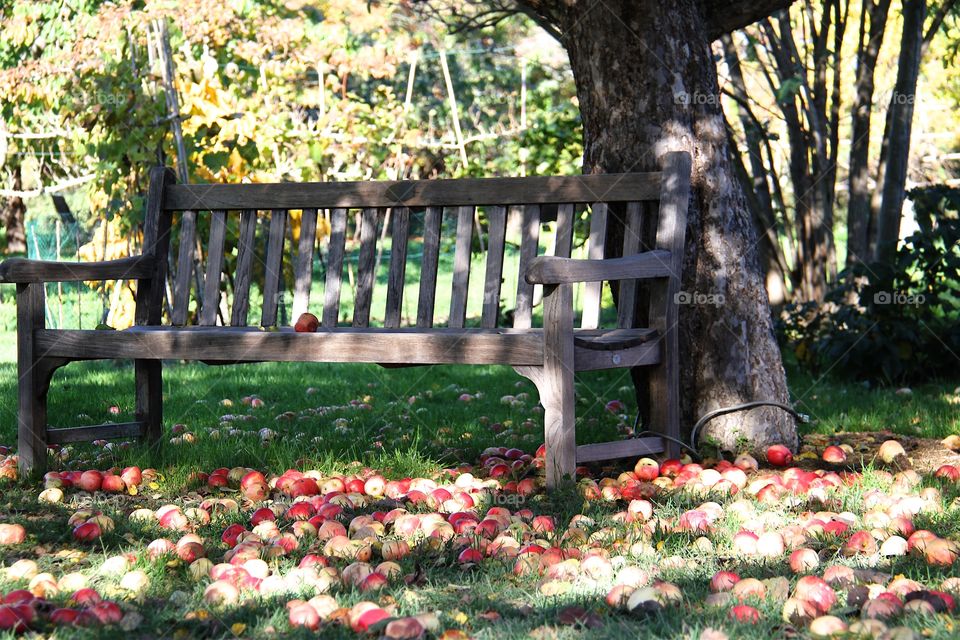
x=548, y=355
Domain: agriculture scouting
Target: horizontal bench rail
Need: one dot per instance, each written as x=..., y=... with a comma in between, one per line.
x=610, y=187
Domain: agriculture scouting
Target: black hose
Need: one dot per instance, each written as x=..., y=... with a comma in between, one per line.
x=692, y=447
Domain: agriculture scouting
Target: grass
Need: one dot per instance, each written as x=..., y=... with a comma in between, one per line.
x=412, y=422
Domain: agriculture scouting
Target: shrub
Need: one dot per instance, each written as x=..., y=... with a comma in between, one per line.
x=890, y=323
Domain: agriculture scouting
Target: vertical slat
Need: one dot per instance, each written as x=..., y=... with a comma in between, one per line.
x=181, y=288
x=563, y=243
x=147, y=373
x=523, y=313
x=557, y=385
x=428, y=266
x=156, y=242
x=461, y=267
x=366, y=265
x=303, y=268
x=632, y=233
x=211, y=286
x=331, y=289
x=664, y=381
x=246, y=246
x=32, y=418
x=491, y=285
x=398, y=263
x=593, y=291
x=273, y=268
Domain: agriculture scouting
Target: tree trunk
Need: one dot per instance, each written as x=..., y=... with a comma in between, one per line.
x=901, y=124
x=12, y=217
x=647, y=84
x=858, y=211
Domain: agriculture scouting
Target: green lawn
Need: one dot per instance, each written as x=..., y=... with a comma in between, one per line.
x=416, y=425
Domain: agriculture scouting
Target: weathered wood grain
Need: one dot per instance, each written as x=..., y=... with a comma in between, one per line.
x=529, y=245
x=32, y=414
x=246, y=248
x=366, y=267
x=593, y=291
x=156, y=245
x=429, y=263
x=96, y=432
x=400, y=233
x=497, y=234
x=331, y=291
x=215, y=256
x=552, y=270
x=664, y=381
x=461, y=267
x=632, y=236
x=620, y=449
x=273, y=268
x=303, y=268
x=416, y=193
x=345, y=344
x=556, y=387
x=184, y=274
x=22, y=270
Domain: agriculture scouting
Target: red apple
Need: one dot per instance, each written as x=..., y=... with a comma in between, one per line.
x=723, y=581
x=834, y=455
x=303, y=615
x=646, y=469
x=306, y=323
x=374, y=486
x=87, y=531
x=132, y=476
x=745, y=613
x=779, y=456
x=469, y=556
x=804, y=560
x=113, y=484
x=948, y=472
x=91, y=480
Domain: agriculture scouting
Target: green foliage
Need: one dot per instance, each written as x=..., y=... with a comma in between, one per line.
x=893, y=323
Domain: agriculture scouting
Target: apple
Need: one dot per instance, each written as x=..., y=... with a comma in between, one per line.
x=87, y=531
x=221, y=592
x=779, y=456
x=64, y=617
x=798, y=612
x=891, y=451
x=723, y=581
x=834, y=455
x=131, y=476
x=745, y=613
x=804, y=560
x=816, y=591
x=91, y=481
x=408, y=628
x=394, y=550
x=860, y=543
x=646, y=469
x=306, y=323
x=12, y=534
x=301, y=614
x=367, y=618
x=375, y=486
x=469, y=556
x=374, y=582
x=948, y=472
x=827, y=627
x=113, y=484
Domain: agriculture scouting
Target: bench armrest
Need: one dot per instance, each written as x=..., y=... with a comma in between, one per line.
x=553, y=270
x=21, y=270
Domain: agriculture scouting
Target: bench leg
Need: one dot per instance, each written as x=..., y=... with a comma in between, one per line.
x=554, y=381
x=664, y=392
x=32, y=395
x=148, y=375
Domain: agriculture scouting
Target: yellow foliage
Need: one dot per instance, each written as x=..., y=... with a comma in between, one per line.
x=122, y=302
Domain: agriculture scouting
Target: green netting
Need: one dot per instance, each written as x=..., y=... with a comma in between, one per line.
x=69, y=304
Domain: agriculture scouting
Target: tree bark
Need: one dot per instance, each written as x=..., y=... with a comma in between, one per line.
x=868, y=51
x=647, y=84
x=12, y=217
x=901, y=124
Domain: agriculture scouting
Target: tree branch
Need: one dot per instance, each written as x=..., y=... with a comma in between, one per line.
x=724, y=17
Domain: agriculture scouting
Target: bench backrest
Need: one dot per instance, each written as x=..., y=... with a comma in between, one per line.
x=375, y=223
